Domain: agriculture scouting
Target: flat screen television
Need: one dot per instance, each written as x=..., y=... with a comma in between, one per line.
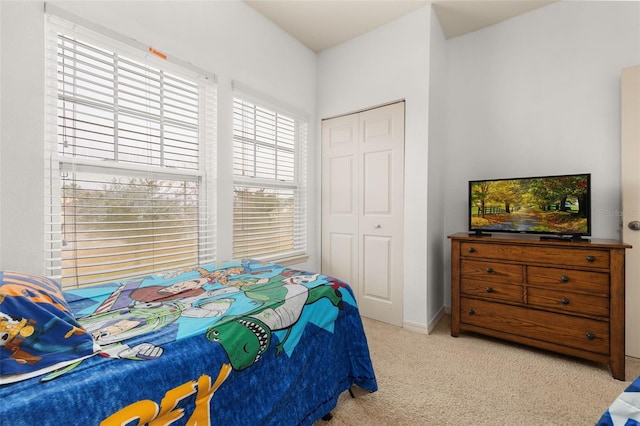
x=558, y=207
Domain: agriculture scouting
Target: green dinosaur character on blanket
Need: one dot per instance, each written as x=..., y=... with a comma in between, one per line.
x=282, y=297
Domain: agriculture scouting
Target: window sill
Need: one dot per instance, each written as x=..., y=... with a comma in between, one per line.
x=289, y=261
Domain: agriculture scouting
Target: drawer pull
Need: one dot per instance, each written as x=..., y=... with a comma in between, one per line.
x=472, y=250
x=565, y=301
x=590, y=336
x=564, y=279
x=489, y=289
x=591, y=259
x=471, y=311
x=489, y=270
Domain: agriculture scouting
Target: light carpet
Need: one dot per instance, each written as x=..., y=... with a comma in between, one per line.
x=437, y=379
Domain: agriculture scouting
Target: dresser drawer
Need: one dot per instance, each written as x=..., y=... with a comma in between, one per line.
x=491, y=271
x=569, y=279
x=568, y=302
x=581, y=333
x=493, y=291
x=586, y=257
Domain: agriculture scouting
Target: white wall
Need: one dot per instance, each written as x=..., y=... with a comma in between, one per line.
x=22, y=144
x=0, y=132
x=436, y=238
x=536, y=95
x=227, y=38
x=389, y=64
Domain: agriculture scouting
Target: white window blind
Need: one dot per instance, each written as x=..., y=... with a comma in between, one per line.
x=269, y=164
x=130, y=157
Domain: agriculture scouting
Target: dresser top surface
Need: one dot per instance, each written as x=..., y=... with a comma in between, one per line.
x=535, y=239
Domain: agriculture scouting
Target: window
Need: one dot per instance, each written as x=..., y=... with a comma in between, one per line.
x=129, y=160
x=269, y=167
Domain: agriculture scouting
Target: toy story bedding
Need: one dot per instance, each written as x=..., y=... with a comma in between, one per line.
x=241, y=343
x=625, y=410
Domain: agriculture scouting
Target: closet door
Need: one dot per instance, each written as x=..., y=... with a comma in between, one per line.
x=362, y=199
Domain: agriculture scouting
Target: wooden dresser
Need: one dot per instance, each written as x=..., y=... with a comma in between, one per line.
x=561, y=296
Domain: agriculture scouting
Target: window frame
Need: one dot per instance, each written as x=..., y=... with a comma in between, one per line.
x=56, y=163
x=297, y=183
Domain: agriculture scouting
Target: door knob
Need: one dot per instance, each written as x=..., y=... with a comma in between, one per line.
x=378, y=226
x=634, y=225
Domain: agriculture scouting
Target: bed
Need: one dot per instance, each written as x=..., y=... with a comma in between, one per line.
x=625, y=410
x=239, y=343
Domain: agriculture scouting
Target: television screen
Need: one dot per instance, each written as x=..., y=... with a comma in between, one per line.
x=557, y=205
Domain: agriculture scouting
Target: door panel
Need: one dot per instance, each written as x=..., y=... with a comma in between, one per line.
x=630, y=152
x=362, y=207
x=342, y=135
x=340, y=256
x=340, y=199
x=381, y=225
x=377, y=268
x=377, y=168
x=376, y=126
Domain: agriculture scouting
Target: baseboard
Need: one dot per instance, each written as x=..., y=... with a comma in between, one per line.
x=416, y=327
x=432, y=324
x=424, y=328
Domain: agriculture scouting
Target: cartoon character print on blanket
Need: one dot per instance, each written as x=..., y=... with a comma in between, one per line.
x=280, y=299
x=135, y=310
x=38, y=332
x=240, y=305
x=138, y=307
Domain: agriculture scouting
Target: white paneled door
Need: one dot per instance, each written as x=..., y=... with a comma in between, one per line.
x=362, y=207
x=630, y=134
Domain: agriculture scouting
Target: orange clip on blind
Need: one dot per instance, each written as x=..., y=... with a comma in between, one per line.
x=157, y=53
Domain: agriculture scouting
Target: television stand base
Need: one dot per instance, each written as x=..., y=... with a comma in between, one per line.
x=479, y=234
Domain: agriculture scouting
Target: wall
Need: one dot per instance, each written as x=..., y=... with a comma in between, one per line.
x=0, y=132
x=536, y=95
x=436, y=238
x=229, y=39
x=384, y=65
x=21, y=147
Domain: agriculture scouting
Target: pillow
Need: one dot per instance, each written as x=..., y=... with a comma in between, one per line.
x=38, y=332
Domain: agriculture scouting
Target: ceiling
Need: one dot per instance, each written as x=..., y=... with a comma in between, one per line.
x=321, y=24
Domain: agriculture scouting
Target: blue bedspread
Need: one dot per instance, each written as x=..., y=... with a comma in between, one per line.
x=625, y=410
x=244, y=343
